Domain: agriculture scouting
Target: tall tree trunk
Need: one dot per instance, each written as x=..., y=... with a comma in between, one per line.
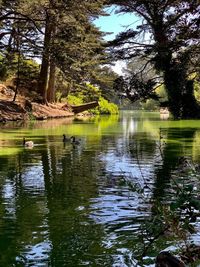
x=182, y=102
x=51, y=83
x=43, y=78
x=190, y=106
x=18, y=63
x=52, y=71
x=173, y=84
x=18, y=78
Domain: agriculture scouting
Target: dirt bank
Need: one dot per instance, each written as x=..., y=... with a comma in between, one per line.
x=24, y=109
x=10, y=111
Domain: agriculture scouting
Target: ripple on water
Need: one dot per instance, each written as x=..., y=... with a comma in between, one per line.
x=114, y=209
x=35, y=255
x=33, y=179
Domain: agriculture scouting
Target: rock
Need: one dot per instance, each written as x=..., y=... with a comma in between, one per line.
x=166, y=259
x=41, y=118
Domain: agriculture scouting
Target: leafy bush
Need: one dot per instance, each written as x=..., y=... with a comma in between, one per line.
x=105, y=107
x=197, y=90
x=92, y=93
x=73, y=100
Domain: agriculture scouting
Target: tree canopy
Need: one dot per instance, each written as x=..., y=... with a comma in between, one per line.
x=171, y=45
x=59, y=33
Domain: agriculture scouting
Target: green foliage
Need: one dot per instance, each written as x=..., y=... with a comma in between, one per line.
x=106, y=107
x=171, y=219
x=73, y=100
x=161, y=91
x=197, y=90
x=28, y=75
x=93, y=93
x=170, y=48
x=151, y=104
x=72, y=44
x=104, y=77
x=26, y=70
x=90, y=93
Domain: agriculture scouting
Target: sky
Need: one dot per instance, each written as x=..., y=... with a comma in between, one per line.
x=114, y=24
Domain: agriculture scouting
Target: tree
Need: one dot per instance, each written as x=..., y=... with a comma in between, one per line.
x=60, y=33
x=173, y=30
x=71, y=43
x=78, y=46
x=104, y=78
x=19, y=36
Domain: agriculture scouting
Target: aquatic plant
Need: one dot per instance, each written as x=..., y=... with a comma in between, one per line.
x=170, y=219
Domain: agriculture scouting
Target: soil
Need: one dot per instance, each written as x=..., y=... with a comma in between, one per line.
x=24, y=109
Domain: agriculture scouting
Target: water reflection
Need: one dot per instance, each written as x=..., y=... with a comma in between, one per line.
x=73, y=206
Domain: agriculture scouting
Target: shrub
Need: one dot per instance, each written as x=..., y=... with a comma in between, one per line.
x=92, y=93
x=73, y=100
x=105, y=107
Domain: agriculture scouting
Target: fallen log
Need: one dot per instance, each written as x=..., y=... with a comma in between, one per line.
x=83, y=107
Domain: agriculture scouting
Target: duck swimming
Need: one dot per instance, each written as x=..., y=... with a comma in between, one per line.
x=27, y=143
x=65, y=139
x=74, y=141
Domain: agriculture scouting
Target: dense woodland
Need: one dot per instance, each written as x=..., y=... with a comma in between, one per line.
x=53, y=49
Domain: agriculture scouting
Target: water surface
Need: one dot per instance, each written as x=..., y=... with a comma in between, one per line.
x=65, y=205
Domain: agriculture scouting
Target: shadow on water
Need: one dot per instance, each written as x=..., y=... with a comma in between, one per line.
x=171, y=155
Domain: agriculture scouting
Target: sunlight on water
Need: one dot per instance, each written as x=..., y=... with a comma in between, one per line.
x=33, y=178
x=35, y=255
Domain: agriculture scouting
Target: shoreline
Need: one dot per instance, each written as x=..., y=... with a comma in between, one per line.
x=18, y=111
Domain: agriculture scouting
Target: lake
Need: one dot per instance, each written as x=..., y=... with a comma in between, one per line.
x=84, y=205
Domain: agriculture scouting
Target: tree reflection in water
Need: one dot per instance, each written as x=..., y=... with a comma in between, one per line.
x=72, y=205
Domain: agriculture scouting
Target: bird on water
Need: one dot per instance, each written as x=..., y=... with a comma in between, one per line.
x=65, y=139
x=74, y=141
x=27, y=143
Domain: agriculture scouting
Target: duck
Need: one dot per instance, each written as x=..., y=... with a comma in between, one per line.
x=74, y=141
x=65, y=139
x=27, y=143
